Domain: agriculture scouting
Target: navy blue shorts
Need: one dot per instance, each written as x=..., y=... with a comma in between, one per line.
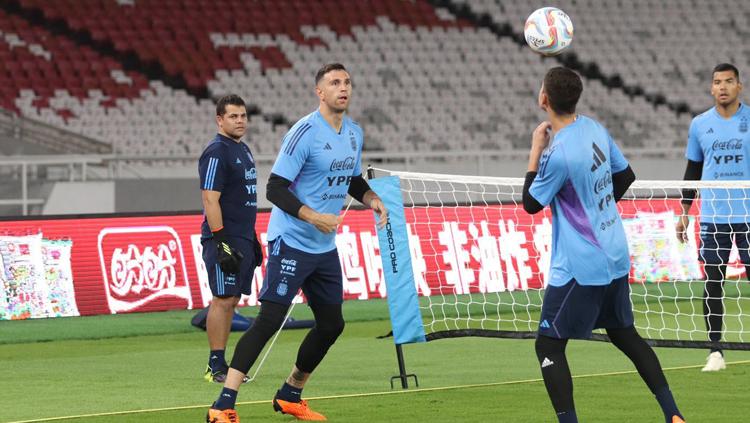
x=289, y=269
x=574, y=310
x=230, y=285
x=717, y=238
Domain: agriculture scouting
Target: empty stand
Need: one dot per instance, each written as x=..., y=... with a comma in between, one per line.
x=424, y=79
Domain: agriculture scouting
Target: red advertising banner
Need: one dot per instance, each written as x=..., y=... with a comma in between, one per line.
x=104, y=265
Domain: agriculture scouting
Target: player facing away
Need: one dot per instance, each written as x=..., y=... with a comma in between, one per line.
x=230, y=247
x=718, y=149
x=576, y=167
x=317, y=166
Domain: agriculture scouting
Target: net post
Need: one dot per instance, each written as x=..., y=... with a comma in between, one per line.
x=402, y=370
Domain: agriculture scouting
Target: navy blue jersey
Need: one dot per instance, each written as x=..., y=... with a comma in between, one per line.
x=228, y=167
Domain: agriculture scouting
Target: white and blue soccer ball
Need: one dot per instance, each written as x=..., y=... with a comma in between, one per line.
x=548, y=31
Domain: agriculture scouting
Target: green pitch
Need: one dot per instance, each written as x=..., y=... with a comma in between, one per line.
x=152, y=365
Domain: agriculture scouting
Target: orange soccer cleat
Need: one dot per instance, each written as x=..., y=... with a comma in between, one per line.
x=222, y=416
x=677, y=419
x=300, y=410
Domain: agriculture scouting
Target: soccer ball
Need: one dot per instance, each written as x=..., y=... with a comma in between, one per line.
x=548, y=31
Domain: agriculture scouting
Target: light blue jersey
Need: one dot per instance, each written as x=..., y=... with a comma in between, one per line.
x=723, y=145
x=320, y=163
x=575, y=175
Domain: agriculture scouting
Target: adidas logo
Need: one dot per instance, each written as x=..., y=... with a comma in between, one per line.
x=599, y=157
x=238, y=161
x=547, y=362
x=327, y=147
x=544, y=324
x=710, y=131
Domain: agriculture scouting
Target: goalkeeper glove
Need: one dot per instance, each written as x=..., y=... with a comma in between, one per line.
x=229, y=258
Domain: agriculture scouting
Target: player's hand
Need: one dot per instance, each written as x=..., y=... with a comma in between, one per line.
x=229, y=258
x=258, y=250
x=681, y=227
x=326, y=222
x=377, y=205
x=541, y=136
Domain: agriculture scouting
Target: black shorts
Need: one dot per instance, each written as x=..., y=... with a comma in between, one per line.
x=289, y=269
x=230, y=285
x=717, y=238
x=574, y=310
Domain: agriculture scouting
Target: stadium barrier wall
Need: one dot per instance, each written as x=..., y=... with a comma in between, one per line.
x=70, y=266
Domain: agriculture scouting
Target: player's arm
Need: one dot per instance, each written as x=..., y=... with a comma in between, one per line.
x=212, y=209
x=212, y=181
x=360, y=190
x=539, y=140
x=622, y=174
x=278, y=193
x=212, y=177
x=529, y=202
x=621, y=181
x=693, y=172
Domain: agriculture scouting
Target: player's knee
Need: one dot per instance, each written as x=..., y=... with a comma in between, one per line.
x=224, y=304
x=623, y=336
x=330, y=330
x=270, y=318
x=546, y=346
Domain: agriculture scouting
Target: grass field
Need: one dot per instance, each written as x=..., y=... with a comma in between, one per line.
x=148, y=368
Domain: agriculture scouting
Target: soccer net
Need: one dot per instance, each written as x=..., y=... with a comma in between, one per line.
x=480, y=261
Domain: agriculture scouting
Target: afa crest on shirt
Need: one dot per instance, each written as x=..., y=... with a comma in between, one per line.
x=353, y=140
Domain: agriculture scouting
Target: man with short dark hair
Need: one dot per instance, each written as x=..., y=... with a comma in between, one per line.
x=317, y=166
x=575, y=166
x=718, y=149
x=231, y=250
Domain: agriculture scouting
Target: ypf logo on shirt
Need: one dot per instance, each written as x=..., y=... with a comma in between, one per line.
x=143, y=268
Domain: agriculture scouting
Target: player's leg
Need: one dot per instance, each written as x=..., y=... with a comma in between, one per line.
x=647, y=363
x=556, y=374
x=616, y=316
x=716, y=244
x=269, y=319
x=324, y=292
x=280, y=286
x=568, y=311
x=220, y=311
x=218, y=326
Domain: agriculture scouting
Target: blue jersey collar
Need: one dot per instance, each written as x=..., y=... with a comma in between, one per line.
x=737, y=113
x=226, y=139
x=325, y=123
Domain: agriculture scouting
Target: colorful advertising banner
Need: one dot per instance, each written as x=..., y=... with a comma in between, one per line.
x=104, y=265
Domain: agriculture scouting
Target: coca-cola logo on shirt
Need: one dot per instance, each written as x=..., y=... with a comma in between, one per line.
x=732, y=144
x=143, y=269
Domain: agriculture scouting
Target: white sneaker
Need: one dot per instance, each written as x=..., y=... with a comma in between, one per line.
x=714, y=362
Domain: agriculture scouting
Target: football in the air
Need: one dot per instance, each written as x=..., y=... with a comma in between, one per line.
x=548, y=31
